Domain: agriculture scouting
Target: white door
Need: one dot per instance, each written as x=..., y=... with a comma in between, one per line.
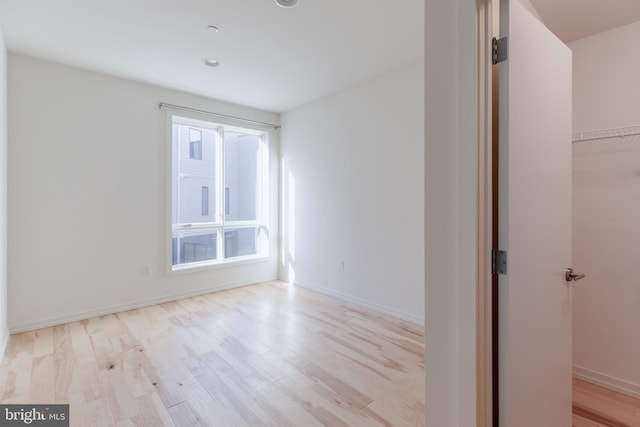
x=535, y=224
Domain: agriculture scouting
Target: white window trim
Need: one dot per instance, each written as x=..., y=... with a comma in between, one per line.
x=262, y=204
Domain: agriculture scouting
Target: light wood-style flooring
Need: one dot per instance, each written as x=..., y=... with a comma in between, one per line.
x=595, y=406
x=270, y=354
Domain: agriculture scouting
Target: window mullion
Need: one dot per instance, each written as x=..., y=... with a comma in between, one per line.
x=243, y=224
x=197, y=226
x=263, y=180
x=220, y=209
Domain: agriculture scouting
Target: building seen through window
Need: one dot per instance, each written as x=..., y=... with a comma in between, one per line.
x=216, y=192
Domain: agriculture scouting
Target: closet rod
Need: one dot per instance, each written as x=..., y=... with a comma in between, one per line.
x=605, y=134
x=222, y=116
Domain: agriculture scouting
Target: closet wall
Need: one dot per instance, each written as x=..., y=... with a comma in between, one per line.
x=606, y=203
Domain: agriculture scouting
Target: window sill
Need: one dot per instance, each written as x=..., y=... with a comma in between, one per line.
x=204, y=266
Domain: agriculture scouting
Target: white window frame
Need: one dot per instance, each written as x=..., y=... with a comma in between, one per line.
x=220, y=225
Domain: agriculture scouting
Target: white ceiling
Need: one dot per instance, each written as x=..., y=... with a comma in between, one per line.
x=272, y=58
x=575, y=19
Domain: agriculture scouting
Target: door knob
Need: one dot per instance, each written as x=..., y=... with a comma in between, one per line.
x=570, y=276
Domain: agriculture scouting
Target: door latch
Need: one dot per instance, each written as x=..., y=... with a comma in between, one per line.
x=570, y=276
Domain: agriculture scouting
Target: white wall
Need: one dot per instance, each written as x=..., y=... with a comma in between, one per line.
x=352, y=190
x=450, y=212
x=88, y=198
x=606, y=205
x=605, y=83
x=4, y=329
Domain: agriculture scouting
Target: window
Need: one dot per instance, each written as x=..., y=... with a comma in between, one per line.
x=205, y=201
x=227, y=209
x=195, y=144
x=218, y=204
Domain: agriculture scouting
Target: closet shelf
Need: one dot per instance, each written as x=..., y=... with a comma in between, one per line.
x=605, y=134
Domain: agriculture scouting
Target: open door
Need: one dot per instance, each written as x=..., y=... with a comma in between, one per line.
x=534, y=223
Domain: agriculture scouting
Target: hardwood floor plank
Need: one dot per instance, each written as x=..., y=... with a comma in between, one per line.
x=397, y=414
x=41, y=387
x=137, y=380
x=43, y=342
x=327, y=418
x=271, y=394
x=598, y=417
x=18, y=380
x=152, y=412
x=89, y=380
x=269, y=354
x=183, y=415
x=379, y=360
x=98, y=413
x=324, y=404
x=77, y=408
x=173, y=386
x=63, y=363
x=579, y=421
x=267, y=412
x=99, y=339
x=80, y=340
x=207, y=408
x=290, y=371
x=351, y=396
x=603, y=407
x=121, y=400
x=224, y=392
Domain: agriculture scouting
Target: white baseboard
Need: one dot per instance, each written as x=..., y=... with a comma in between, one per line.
x=419, y=321
x=607, y=381
x=59, y=320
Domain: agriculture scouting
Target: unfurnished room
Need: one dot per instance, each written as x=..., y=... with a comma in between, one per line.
x=319, y=213
x=215, y=213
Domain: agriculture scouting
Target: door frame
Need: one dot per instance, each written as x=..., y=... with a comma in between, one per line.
x=452, y=167
x=487, y=216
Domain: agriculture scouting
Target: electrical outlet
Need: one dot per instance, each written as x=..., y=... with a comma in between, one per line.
x=146, y=270
x=340, y=265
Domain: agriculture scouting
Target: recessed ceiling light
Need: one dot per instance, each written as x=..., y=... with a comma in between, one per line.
x=287, y=3
x=211, y=62
x=213, y=29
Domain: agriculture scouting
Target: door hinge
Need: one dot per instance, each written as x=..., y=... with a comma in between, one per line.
x=498, y=50
x=498, y=262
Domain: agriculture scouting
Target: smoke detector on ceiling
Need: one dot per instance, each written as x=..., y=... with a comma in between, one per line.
x=287, y=3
